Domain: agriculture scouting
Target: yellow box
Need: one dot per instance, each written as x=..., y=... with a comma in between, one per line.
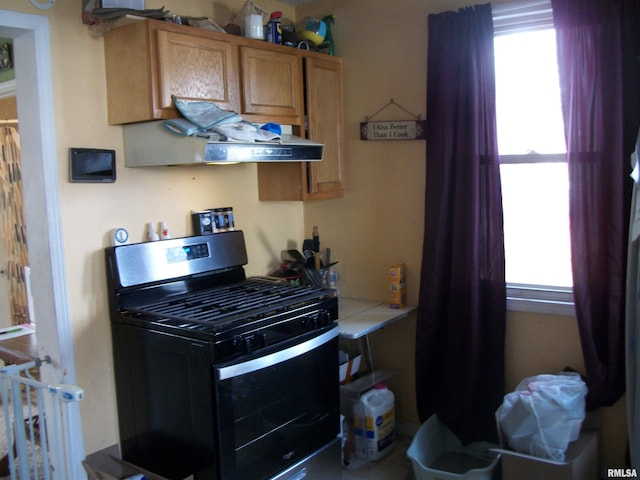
x=397, y=285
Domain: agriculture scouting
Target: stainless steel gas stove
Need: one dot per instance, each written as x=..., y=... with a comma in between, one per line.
x=220, y=376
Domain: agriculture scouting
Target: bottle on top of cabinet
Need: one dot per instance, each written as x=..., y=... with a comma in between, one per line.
x=274, y=28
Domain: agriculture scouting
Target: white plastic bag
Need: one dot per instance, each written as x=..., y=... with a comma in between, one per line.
x=543, y=415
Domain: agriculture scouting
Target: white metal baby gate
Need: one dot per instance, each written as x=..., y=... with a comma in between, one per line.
x=36, y=417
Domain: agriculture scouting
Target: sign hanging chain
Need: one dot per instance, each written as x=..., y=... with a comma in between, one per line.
x=391, y=102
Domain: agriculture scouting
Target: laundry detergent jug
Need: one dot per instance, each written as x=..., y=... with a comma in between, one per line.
x=375, y=423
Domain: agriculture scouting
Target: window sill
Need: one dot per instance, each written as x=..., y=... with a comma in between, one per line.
x=540, y=299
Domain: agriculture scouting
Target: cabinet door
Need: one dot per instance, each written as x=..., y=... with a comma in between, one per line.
x=325, y=125
x=197, y=68
x=129, y=72
x=272, y=85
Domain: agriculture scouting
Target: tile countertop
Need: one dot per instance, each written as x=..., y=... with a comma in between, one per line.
x=357, y=318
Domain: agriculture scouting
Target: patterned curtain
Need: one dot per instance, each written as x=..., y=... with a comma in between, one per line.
x=12, y=224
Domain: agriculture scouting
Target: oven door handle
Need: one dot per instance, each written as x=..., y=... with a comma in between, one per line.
x=276, y=357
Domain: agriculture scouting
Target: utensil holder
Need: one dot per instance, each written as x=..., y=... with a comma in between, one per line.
x=316, y=278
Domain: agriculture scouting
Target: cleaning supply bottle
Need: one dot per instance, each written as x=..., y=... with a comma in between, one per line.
x=274, y=28
x=329, y=19
x=375, y=422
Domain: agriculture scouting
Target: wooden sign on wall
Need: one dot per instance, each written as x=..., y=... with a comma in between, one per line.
x=398, y=130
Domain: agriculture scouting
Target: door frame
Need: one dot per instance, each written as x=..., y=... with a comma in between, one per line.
x=34, y=92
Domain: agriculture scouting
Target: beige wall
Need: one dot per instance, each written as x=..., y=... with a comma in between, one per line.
x=378, y=222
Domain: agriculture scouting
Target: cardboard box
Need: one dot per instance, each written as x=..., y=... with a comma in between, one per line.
x=397, y=285
x=581, y=462
x=349, y=369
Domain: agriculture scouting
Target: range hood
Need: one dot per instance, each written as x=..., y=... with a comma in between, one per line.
x=149, y=144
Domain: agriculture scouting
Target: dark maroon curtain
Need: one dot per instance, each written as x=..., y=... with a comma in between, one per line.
x=597, y=42
x=462, y=306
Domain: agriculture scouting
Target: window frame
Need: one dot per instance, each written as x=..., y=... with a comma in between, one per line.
x=510, y=18
x=540, y=299
x=533, y=298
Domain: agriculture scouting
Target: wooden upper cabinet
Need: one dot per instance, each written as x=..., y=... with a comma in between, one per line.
x=325, y=125
x=272, y=87
x=148, y=61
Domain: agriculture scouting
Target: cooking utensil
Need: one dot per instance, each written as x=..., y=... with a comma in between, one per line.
x=316, y=239
x=296, y=255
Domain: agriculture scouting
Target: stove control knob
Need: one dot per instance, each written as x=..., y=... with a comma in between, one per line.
x=249, y=342
x=310, y=323
x=243, y=344
x=324, y=318
x=260, y=339
x=237, y=345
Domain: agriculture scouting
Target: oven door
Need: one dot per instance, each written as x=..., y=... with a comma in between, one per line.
x=277, y=409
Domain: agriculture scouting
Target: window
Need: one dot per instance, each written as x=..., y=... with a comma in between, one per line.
x=535, y=185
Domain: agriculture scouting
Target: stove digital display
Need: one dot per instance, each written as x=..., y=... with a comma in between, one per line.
x=187, y=252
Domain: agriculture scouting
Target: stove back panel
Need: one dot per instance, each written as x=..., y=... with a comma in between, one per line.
x=151, y=262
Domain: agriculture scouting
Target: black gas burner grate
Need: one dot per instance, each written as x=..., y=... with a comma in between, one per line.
x=218, y=308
